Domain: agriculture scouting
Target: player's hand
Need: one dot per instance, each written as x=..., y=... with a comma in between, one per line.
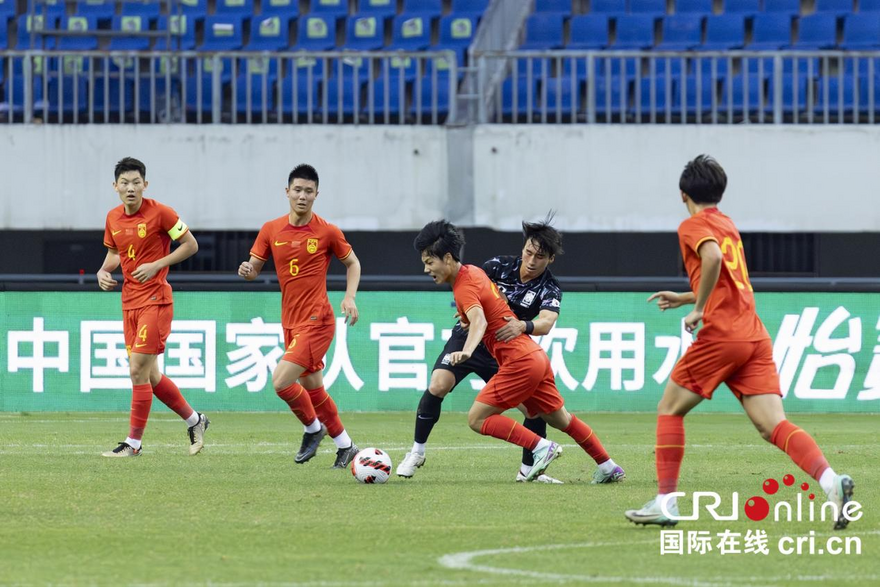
x=458, y=357
x=692, y=320
x=511, y=330
x=106, y=281
x=666, y=300
x=350, y=310
x=146, y=272
x=246, y=270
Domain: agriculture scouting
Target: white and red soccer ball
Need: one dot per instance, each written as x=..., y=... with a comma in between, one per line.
x=371, y=465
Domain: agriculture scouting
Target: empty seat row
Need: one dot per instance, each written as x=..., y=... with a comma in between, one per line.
x=706, y=7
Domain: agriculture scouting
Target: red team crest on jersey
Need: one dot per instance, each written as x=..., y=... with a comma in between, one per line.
x=142, y=229
x=312, y=245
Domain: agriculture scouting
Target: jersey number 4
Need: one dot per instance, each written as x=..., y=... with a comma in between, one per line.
x=736, y=262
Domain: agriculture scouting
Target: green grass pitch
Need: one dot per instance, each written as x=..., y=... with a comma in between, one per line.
x=242, y=513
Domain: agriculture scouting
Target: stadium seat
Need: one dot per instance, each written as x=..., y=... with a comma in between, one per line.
x=222, y=33
x=101, y=9
x=722, y=68
x=182, y=33
x=613, y=66
x=146, y=9
x=744, y=7
x=411, y=33
x=836, y=7
x=299, y=96
x=469, y=7
x=129, y=24
x=861, y=32
x=304, y=67
x=431, y=9
x=364, y=33
x=330, y=8
x=67, y=94
x=652, y=7
x=634, y=32
x=589, y=31
x=793, y=100
x=201, y=95
x=4, y=40
x=288, y=8
x=869, y=6
x=562, y=97
x=80, y=24
x=865, y=89
x=703, y=7
x=31, y=31
x=817, y=31
x=664, y=91
x=341, y=97
x=835, y=101
x=378, y=8
x=456, y=31
x=197, y=9
x=612, y=96
x=268, y=33
x=517, y=102
x=543, y=31
x=608, y=7
x=553, y=6
x=235, y=7
x=681, y=32
x=692, y=98
x=788, y=7
x=724, y=32
x=7, y=9
x=14, y=90
x=315, y=33
x=673, y=67
x=770, y=32
x=430, y=96
x=742, y=95
x=860, y=67
x=262, y=74
x=117, y=91
x=389, y=97
x=57, y=8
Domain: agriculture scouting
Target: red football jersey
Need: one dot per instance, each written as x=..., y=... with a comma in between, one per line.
x=730, y=310
x=473, y=288
x=302, y=256
x=141, y=238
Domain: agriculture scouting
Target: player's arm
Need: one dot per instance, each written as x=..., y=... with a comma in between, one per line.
x=476, y=329
x=352, y=280
x=710, y=269
x=250, y=270
x=188, y=247
x=111, y=264
x=541, y=325
x=667, y=300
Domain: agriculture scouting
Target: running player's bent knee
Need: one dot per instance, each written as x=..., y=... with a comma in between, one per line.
x=476, y=423
x=439, y=389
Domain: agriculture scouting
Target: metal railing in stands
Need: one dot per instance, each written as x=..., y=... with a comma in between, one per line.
x=768, y=87
x=376, y=87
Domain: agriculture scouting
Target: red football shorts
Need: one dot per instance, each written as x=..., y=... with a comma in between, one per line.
x=147, y=328
x=746, y=367
x=306, y=346
x=527, y=380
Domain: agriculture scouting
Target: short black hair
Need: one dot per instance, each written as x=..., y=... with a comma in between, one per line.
x=548, y=239
x=303, y=171
x=438, y=238
x=703, y=180
x=129, y=164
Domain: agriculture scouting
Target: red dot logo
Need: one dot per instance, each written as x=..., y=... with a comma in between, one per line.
x=770, y=486
x=757, y=508
x=788, y=480
x=805, y=486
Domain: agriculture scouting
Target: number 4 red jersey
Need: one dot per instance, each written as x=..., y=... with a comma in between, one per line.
x=730, y=310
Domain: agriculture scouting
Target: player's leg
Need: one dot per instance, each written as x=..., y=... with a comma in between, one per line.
x=284, y=380
x=539, y=427
x=443, y=381
x=607, y=470
x=328, y=413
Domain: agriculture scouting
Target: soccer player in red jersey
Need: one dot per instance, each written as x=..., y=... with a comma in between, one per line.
x=732, y=347
x=138, y=236
x=525, y=377
x=302, y=243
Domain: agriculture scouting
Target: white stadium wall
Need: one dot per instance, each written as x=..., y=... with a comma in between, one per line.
x=598, y=178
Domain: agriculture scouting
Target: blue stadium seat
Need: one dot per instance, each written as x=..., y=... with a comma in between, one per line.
x=4, y=40
x=692, y=98
x=612, y=67
x=130, y=24
x=428, y=8
x=262, y=74
x=525, y=95
x=104, y=9
x=589, y=31
x=387, y=89
x=745, y=7
x=610, y=99
x=316, y=33
x=722, y=68
x=268, y=33
x=770, y=32
x=739, y=99
x=337, y=8
x=79, y=24
x=364, y=33
x=222, y=33
x=608, y=7
x=182, y=32
x=652, y=7
x=457, y=31
x=288, y=8
x=15, y=93
x=861, y=31
x=303, y=67
x=201, y=95
x=236, y=7
x=469, y=7
x=865, y=94
x=553, y=6
x=73, y=94
x=861, y=66
x=411, y=32
x=672, y=67
x=788, y=7
x=817, y=31
x=344, y=89
x=380, y=8
x=197, y=9
x=298, y=96
x=642, y=101
x=805, y=66
x=7, y=9
x=703, y=7
x=543, y=31
x=117, y=91
x=869, y=6
x=429, y=98
x=31, y=31
x=794, y=100
x=834, y=90
x=561, y=97
x=681, y=32
x=724, y=32
x=634, y=32
x=836, y=7
x=55, y=8
x=146, y=9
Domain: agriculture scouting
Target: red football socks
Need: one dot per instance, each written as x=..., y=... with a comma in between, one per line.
x=669, y=451
x=587, y=440
x=299, y=402
x=141, y=401
x=503, y=428
x=169, y=394
x=801, y=447
x=325, y=407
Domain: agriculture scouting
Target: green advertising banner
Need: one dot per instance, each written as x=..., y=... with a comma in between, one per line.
x=610, y=351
